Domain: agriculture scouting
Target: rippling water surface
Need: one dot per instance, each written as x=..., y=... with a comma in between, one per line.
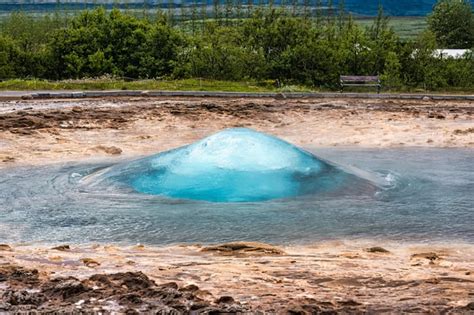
x=425, y=195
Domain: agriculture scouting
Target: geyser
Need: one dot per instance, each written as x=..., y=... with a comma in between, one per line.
x=234, y=165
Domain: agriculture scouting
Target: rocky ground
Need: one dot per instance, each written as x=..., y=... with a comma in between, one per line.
x=43, y=131
x=331, y=277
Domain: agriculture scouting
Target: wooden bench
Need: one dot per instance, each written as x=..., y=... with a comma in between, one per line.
x=354, y=80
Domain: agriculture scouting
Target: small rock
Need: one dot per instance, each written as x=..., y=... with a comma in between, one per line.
x=19, y=274
x=132, y=280
x=109, y=150
x=80, y=302
x=131, y=298
x=191, y=288
x=64, y=288
x=5, y=247
x=23, y=298
x=377, y=249
x=172, y=285
x=8, y=159
x=349, y=302
x=244, y=248
x=426, y=98
x=203, y=294
x=198, y=305
x=63, y=248
x=430, y=256
x=89, y=262
x=295, y=310
x=280, y=96
x=225, y=300
x=463, y=132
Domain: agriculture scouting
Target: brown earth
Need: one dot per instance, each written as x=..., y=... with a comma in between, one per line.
x=129, y=292
x=334, y=277
x=44, y=131
x=330, y=277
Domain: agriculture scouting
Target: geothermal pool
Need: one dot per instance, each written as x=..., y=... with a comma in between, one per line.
x=205, y=193
x=234, y=165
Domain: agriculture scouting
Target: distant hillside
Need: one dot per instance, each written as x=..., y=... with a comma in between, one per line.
x=359, y=7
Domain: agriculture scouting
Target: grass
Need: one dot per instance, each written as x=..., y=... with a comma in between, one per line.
x=164, y=85
x=102, y=84
x=406, y=27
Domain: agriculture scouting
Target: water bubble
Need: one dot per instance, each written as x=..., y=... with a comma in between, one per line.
x=234, y=165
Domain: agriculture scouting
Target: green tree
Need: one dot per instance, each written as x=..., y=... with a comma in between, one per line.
x=217, y=10
x=31, y=36
x=249, y=8
x=391, y=76
x=228, y=14
x=273, y=32
x=220, y=54
x=8, y=53
x=203, y=14
x=356, y=49
x=382, y=41
x=163, y=48
x=194, y=16
x=98, y=43
x=270, y=44
x=420, y=66
x=460, y=72
x=452, y=21
x=312, y=63
x=238, y=9
x=183, y=9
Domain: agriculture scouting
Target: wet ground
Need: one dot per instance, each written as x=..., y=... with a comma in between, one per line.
x=44, y=131
x=333, y=276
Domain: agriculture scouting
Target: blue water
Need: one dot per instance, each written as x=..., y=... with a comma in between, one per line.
x=428, y=196
x=234, y=165
x=391, y=7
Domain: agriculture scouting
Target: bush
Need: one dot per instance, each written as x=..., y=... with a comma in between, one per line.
x=98, y=43
x=268, y=45
x=452, y=21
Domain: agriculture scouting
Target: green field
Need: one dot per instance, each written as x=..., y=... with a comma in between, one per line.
x=193, y=85
x=405, y=27
x=164, y=85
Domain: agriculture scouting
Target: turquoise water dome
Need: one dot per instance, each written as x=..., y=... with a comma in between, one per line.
x=234, y=165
